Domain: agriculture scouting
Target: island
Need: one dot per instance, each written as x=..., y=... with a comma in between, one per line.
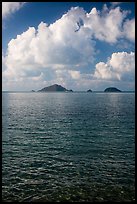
x=55, y=88
x=89, y=90
x=70, y=90
x=112, y=89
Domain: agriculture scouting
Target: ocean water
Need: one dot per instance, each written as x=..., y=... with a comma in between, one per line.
x=68, y=147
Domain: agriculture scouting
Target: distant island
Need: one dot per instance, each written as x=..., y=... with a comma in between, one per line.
x=112, y=89
x=59, y=88
x=55, y=88
x=89, y=90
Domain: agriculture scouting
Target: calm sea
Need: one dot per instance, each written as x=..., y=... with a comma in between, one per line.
x=68, y=146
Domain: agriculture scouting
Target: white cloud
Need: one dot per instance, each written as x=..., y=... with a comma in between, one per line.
x=104, y=71
x=74, y=74
x=3, y=62
x=68, y=74
x=120, y=66
x=57, y=46
x=115, y=3
x=10, y=7
x=106, y=26
x=129, y=29
x=66, y=47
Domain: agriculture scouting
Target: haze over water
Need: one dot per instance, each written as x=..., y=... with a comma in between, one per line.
x=68, y=146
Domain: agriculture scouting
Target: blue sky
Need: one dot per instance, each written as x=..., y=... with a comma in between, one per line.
x=79, y=45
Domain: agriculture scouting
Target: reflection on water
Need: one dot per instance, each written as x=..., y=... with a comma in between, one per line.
x=68, y=147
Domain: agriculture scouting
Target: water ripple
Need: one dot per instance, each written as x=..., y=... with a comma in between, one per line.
x=62, y=147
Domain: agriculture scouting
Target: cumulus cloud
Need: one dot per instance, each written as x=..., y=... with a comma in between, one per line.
x=106, y=26
x=74, y=74
x=66, y=46
x=129, y=29
x=120, y=66
x=3, y=62
x=10, y=7
x=67, y=75
x=115, y=3
x=57, y=46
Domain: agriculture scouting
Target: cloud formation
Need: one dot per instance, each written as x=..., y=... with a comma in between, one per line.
x=129, y=29
x=106, y=26
x=68, y=46
x=120, y=66
x=115, y=3
x=10, y=7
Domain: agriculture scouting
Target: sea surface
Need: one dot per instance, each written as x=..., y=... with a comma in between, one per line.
x=68, y=147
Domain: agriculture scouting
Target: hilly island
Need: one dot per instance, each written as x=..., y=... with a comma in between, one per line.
x=55, y=88
x=59, y=88
x=112, y=89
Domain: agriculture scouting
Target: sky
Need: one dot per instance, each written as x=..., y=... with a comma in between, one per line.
x=79, y=45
